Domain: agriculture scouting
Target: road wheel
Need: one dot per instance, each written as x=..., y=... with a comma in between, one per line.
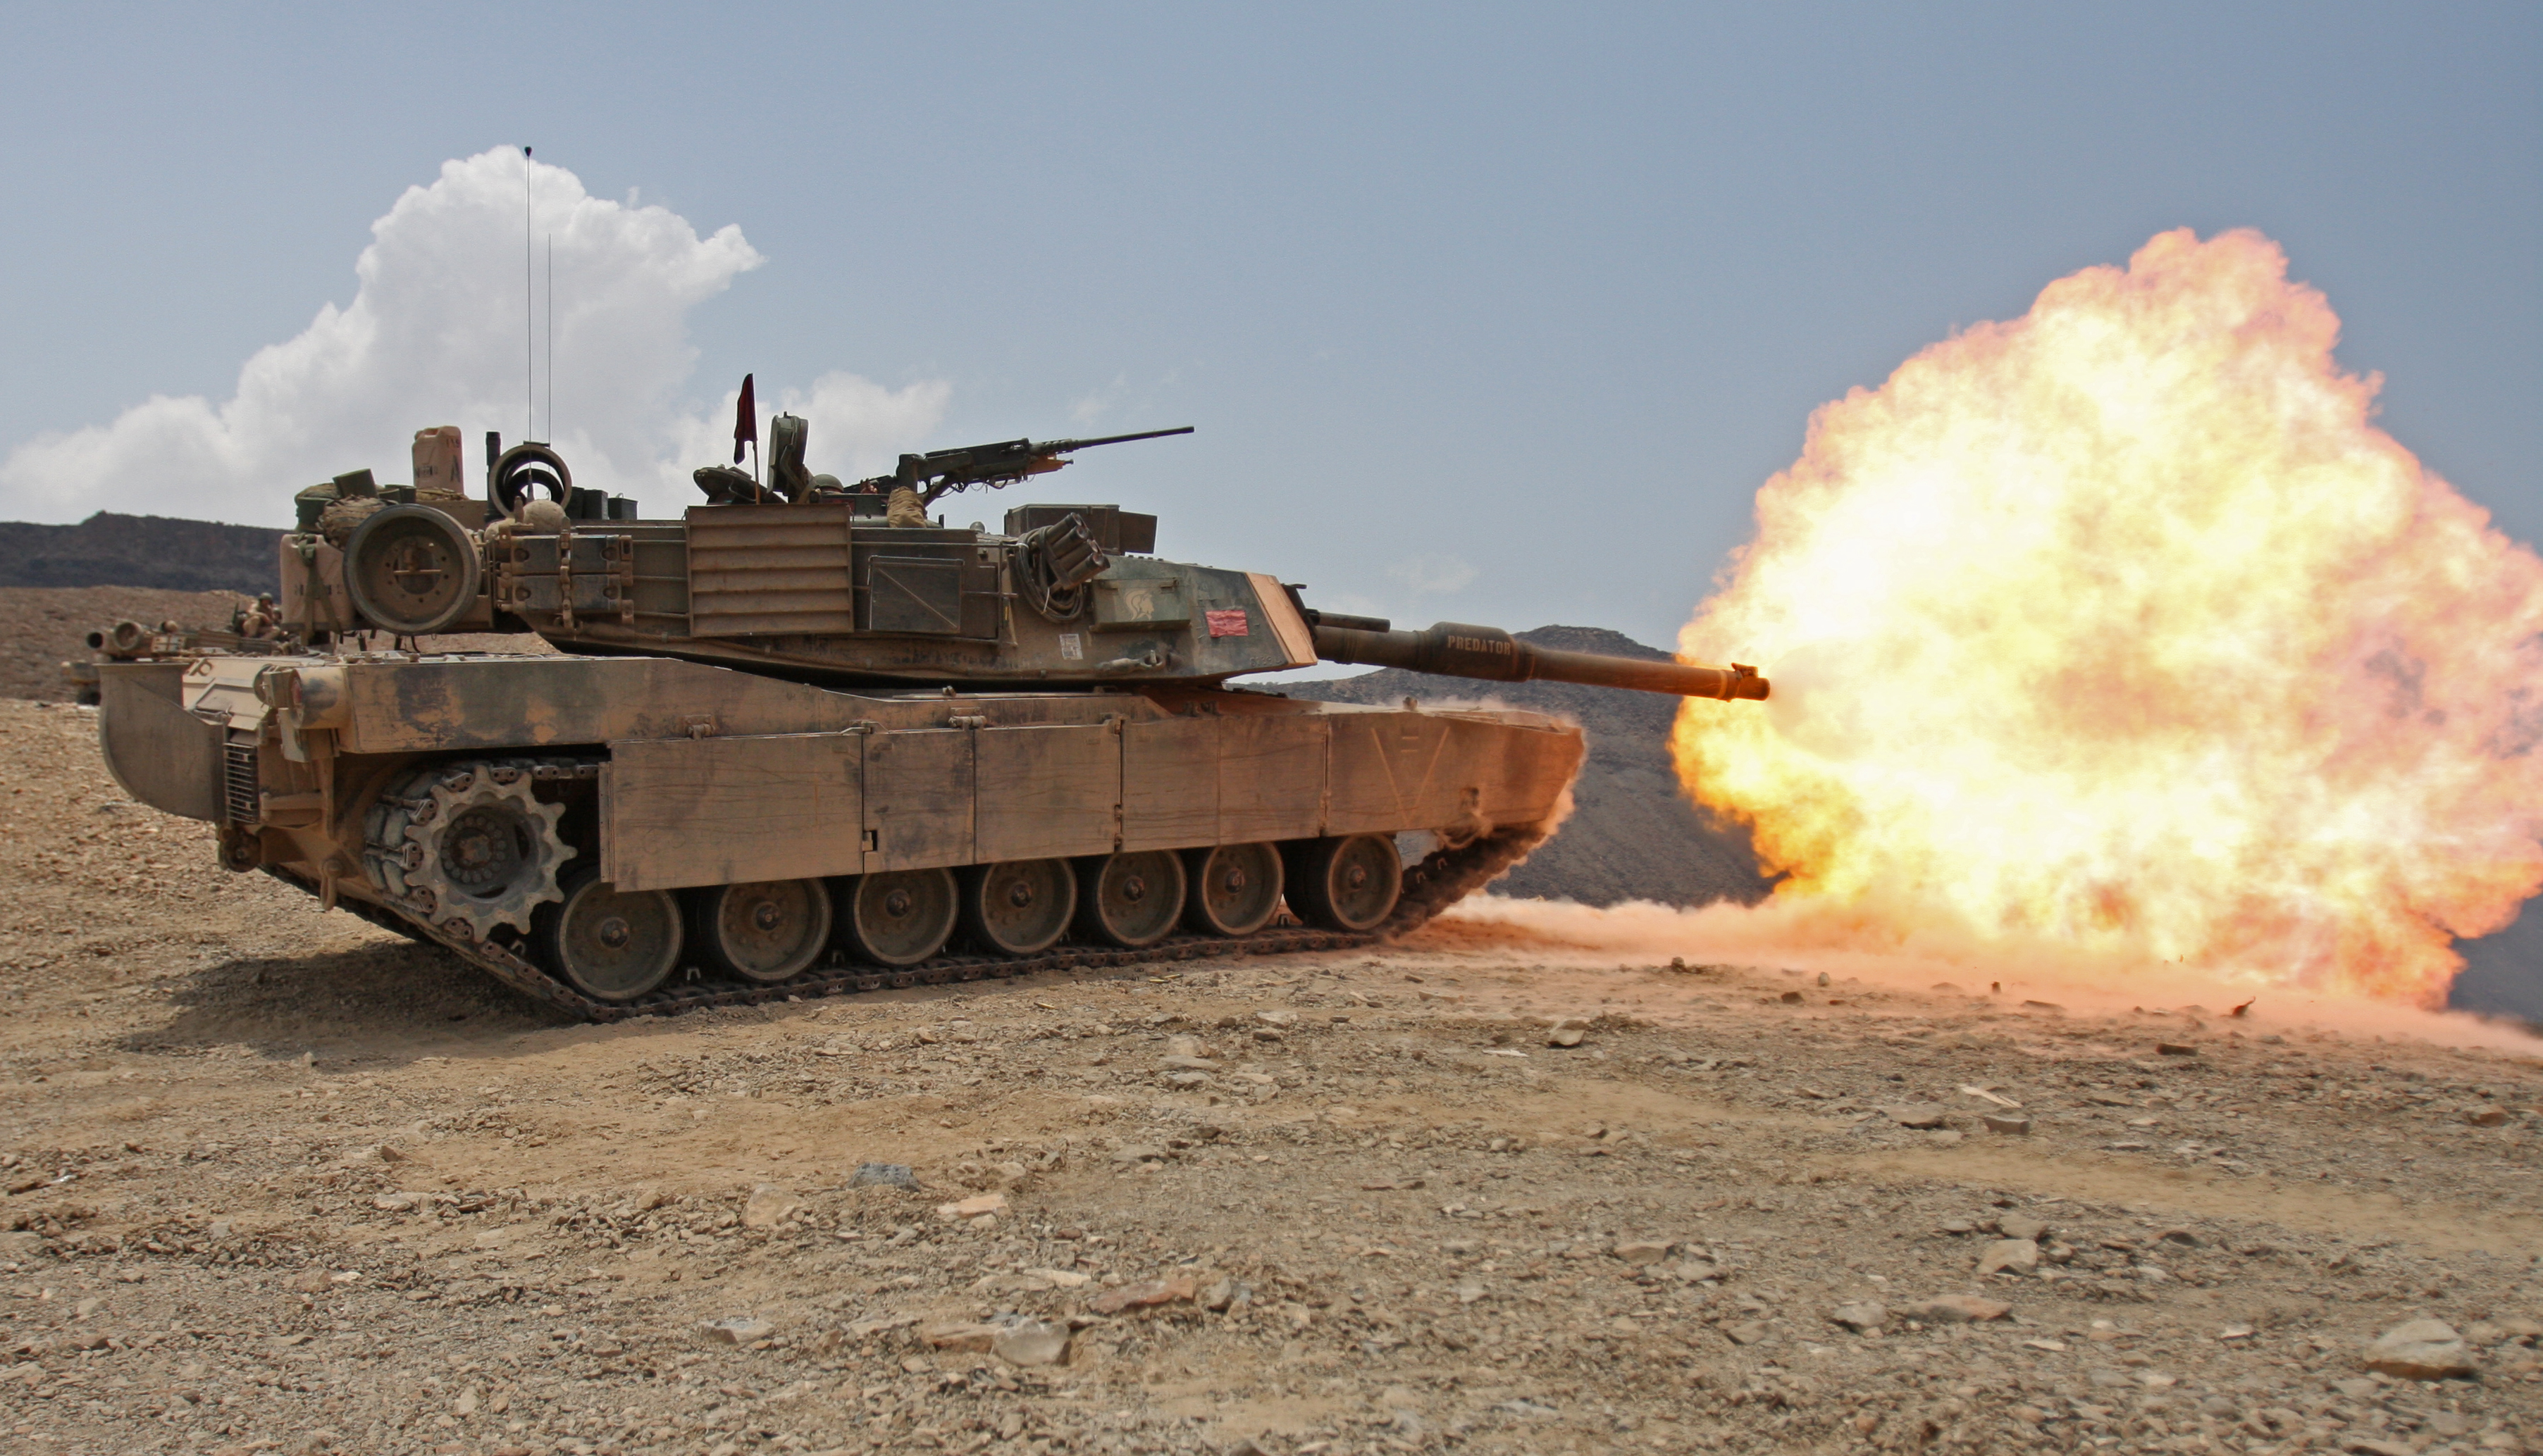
x=1019, y=907
x=765, y=931
x=899, y=917
x=608, y=943
x=1350, y=882
x=1235, y=887
x=1132, y=899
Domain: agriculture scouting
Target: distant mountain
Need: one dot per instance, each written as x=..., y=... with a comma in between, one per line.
x=111, y=550
x=1633, y=836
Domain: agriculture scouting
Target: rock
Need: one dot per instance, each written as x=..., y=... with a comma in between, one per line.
x=1187, y=1064
x=739, y=1330
x=1957, y=1309
x=962, y=1336
x=1862, y=1319
x=311, y=1280
x=1030, y=1342
x=1062, y=1278
x=1642, y=1251
x=882, y=1176
x=2015, y=1256
x=1185, y=1047
x=2184, y=1236
x=1568, y=1031
x=1218, y=1297
x=1746, y=1331
x=1468, y=1290
x=2020, y=1226
x=1281, y=1019
x=2011, y=1123
x=2420, y=1349
x=391, y=1203
x=974, y=1207
x=1176, y=1290
x=1141, y=1153
x=646, y=1199
x=1186, y=1081
x=769, y=1206
x=2486, y=1117
x=1917, y=1115
x=2175, y=1048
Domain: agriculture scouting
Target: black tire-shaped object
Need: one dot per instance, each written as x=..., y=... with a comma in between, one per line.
x=1350, y=882
x=525, y=467
x=411, y=570
x=1133, y=900
x=608, y=943
x=1235, y=889
x=898, y=917
x=764, y=931
x=1019, y=907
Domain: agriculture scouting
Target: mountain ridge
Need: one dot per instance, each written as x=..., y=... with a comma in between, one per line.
x=165, y=552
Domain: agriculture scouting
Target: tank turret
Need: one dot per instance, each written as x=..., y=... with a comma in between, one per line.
x=821, y=581
x=806, y=737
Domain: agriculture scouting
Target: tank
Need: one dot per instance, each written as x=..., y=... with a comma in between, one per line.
x=806, y=737
x=252, y=631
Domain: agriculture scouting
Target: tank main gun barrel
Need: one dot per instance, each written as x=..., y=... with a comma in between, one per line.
x=1459, y=649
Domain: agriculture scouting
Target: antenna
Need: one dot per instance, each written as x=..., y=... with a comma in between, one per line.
x=552, y=435
x=529, y=340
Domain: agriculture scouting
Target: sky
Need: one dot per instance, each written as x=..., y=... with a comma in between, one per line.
x=1481, y=313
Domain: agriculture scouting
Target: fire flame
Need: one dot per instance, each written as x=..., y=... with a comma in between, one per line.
x=2122, y=627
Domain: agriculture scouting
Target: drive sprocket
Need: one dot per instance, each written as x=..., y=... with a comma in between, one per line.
x=467, y=847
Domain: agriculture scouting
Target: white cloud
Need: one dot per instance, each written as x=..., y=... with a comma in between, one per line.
x=434, y=336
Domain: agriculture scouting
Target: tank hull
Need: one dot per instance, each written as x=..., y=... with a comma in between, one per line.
x=663, y=777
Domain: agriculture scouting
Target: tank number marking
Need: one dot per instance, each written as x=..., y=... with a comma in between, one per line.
x=1227, y=622
x=1071, y=646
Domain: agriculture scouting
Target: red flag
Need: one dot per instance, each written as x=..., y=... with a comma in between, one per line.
x=745, y=422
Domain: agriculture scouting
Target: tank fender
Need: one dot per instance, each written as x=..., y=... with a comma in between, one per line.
x=158, y=752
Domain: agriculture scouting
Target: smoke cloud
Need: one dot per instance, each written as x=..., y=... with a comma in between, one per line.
x=434, y=336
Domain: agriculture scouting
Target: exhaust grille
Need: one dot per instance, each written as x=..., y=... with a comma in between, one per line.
x=238, y=784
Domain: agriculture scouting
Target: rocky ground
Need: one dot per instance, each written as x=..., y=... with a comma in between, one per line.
x=278, y=1181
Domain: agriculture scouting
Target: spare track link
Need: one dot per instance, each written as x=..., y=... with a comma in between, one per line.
x=1440, y=881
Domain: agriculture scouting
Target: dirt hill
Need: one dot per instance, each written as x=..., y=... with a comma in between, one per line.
x=111, y=550
x=1633, y=836
x=43, y=627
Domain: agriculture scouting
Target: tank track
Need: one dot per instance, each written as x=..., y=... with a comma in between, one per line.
x=1440, y=880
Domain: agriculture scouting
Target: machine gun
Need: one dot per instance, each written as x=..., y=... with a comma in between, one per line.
x=941, y=473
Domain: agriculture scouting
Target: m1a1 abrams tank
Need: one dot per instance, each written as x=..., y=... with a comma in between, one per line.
x=805, y=738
